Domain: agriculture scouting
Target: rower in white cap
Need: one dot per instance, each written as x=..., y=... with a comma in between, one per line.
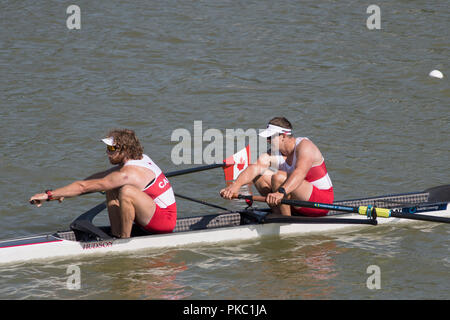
x=294, y=168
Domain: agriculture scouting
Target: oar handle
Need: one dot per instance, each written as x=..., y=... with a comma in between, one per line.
x=254, y=198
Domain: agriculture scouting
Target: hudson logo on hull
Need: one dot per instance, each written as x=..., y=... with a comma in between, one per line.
x=97, y=245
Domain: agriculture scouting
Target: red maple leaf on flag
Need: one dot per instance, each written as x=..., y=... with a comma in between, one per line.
x=241, y=164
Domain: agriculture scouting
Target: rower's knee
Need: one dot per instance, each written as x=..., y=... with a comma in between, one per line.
x=278, y=179
x=261, y=181
x=112, y=198
x=111, y=194
x=262, y=184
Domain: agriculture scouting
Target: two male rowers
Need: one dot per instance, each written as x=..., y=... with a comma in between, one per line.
x=300, y=172
x=136, y=189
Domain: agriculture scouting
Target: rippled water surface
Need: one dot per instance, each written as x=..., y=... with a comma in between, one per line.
x=363, y=96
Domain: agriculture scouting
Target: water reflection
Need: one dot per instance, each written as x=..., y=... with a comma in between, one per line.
x=156, y=278
x=307, y=267
x=143, y=276
x=321, y=267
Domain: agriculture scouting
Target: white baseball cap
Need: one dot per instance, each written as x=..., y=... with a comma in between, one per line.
x=273, y=129
x=109, y=141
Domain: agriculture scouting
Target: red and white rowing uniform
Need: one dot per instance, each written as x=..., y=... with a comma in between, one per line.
x=318, y=177
x=159, y=189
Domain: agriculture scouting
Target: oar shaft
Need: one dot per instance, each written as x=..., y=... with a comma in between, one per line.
x=317, y=205
x=196, y=169
x=421, y=217
x=201, y=202
x=307, y=204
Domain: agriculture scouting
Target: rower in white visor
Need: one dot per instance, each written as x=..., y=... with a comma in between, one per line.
x=294, y=168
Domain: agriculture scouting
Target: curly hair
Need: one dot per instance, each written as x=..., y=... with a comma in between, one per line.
x=127, y=142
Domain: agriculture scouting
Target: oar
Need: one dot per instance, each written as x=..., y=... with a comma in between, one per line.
x=369, y=211
x=201, y=202
x=195, y=169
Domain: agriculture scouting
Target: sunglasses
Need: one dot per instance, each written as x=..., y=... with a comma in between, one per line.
x=112, y=148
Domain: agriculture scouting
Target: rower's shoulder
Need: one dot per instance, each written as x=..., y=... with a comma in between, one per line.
x=308, y=148
x=305, y=145
x=137, y=170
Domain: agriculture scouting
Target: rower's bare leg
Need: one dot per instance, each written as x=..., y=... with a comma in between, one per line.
x=303, y=192
x=136, y=206
x=263, y=183
x=113, y=205
x=277, y=180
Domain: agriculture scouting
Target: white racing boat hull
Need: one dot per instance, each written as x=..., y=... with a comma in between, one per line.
x=230, y=227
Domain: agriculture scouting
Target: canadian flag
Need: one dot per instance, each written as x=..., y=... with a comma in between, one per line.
x=236, y=163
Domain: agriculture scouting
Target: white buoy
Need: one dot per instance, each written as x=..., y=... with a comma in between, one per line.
x=436, y=74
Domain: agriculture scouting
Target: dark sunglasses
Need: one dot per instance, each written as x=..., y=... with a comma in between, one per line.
x=112, y=148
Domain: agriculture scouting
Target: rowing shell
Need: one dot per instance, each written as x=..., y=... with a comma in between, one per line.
x=251, y=223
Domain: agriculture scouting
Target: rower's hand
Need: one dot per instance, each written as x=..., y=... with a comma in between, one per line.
x=38, y=198
x=274, y=199
x=229, y=191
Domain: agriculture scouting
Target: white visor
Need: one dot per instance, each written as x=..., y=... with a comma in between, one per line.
x=109, y=141
x=272, y=129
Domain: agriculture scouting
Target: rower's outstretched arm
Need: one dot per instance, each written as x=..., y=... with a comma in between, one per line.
x=111, y=181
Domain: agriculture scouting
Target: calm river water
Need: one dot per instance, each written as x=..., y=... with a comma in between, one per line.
x=363, y=96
